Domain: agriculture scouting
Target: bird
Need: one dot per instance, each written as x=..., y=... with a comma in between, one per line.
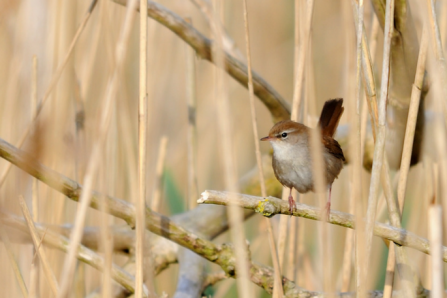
x=292, y=160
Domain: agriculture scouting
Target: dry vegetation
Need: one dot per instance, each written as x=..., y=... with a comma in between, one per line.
x=69, y=132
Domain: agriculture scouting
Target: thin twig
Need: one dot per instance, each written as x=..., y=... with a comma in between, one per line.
x=155, y=201
x=41, y=252
x=15, y=267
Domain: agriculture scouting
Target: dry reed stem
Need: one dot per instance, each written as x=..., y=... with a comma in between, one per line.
x=436, y=36
x=69, y=264
x=34, y=104
x=393, y=209
x=396, y=211
x=356, y=148
x=347, y=264
x=408, y=278
x=34, y=273
x=367, y=69
x=282, y=229
x=40, y=251
x=234, y=213
x=277, y=289
x=292, y=265
x=435, y=229
x=381, y=133
x=411, y=122
x=318, y=170
x=84, y=254
x=371, y=103
x=440, y=87
x=156, y=197
x=437, y=47
x=107, y=245
x=359, y=56
x=53, y=82
x=325, y=254
x=347, y=255
x=298, y=86
x=389, y=273
x=192, y=129
x=15, y=267
x=142, y=154
x=283, y=234
x=285, y=222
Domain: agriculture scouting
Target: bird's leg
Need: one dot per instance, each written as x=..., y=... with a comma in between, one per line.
x=328, y=204
x=291, y=202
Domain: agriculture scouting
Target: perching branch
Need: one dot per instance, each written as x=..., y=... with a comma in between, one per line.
x=271, y=206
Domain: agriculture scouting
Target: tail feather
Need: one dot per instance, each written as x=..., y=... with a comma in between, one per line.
x=330, y=116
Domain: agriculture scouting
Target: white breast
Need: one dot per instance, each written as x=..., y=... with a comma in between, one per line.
x=293, y=166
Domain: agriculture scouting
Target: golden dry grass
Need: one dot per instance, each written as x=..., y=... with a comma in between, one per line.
x=46, y=28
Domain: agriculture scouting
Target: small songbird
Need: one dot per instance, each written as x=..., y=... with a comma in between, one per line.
x=292, y=160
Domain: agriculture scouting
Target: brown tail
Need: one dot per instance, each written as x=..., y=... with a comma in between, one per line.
x=330, y=116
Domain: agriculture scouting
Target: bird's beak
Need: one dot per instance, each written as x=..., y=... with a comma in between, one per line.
x=267, y=138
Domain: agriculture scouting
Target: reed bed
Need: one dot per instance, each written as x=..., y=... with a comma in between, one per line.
x=130, y=162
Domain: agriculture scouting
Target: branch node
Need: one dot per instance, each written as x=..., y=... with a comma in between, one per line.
x=266, y=208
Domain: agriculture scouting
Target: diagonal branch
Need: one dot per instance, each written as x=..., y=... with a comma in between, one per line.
x=271, y=206
x=278, y=106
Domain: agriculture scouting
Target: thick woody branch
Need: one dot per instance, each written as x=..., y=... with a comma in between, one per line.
x=271, y=206
x=278, y=107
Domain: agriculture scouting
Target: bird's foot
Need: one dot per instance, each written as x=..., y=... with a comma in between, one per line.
x=292, y=206
x=326, y=211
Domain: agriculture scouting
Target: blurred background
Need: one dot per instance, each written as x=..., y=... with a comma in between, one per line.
x=67, y=126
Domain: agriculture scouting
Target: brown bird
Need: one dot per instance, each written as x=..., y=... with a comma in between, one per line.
x=292, y=161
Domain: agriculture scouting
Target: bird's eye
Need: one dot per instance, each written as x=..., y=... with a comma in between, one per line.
x=284, y=134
